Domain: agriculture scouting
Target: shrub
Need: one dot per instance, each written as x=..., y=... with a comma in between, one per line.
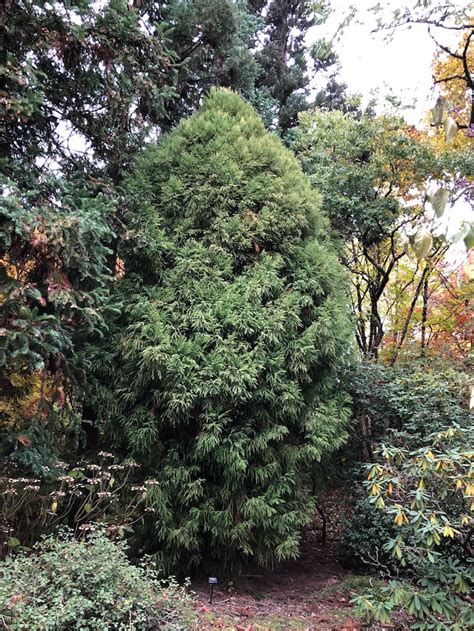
x=102, y=492
x=54, y=288
x=366, y=534
x=88, y=584
x=235, y=331
x=405, y=403
x=428, y=492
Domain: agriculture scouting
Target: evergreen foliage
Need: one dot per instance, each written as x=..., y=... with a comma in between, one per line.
x=427, y=492
x=212, y=42
x=83, y=85
x=399, y=407
x=234, y=330
x=406, y=402
x=109, y=74
x=66, y=584
x=54, y=294
x=286, y=60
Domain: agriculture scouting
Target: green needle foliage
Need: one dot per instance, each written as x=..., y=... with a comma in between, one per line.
x=235, y=327
x=287, y=65
x=83, y=85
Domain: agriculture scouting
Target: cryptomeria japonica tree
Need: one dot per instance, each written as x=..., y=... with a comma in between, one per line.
x=83, y=85
x=234, y=331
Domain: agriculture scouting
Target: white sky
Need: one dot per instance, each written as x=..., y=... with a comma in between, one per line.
x=372, y=65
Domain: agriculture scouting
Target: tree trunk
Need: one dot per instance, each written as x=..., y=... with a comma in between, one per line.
x=408, y=318
x=471, y=122
x=424, y=316
x=376, y=330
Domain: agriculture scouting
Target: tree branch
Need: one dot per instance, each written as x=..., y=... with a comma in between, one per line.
x=456, y=76
x=404, y=332
x=444, y=48
x=465, y=65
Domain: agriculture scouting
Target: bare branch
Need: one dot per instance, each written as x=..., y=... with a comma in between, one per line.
x=444, y=48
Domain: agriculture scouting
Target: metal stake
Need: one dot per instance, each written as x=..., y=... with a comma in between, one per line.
x=212, y=581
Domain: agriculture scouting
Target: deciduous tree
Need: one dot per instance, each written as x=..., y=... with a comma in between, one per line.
x=372, y=174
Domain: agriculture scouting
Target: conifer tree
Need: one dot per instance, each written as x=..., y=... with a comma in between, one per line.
x=234, y=330
x=287, y=63
x=83, y=84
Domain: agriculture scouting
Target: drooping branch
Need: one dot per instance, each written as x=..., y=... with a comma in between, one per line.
x=466, y=77
x=439, y=24
x=438, y=18
x=445, y=49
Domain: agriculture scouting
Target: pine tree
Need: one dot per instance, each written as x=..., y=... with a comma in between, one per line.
x=286, y=60
x=234, y=329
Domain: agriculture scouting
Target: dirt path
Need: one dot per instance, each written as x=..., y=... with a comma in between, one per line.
x=311, y=593
x=288, y=598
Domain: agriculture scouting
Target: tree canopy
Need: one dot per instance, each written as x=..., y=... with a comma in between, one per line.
x=190, y=207
x=372, y=173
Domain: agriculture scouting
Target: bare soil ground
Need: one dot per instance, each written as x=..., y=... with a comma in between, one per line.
x=312, y=593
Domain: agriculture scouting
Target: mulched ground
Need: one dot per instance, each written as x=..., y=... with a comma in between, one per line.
x=310, y=594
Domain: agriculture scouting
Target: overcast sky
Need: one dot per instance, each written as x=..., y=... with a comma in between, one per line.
x=369, y=63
